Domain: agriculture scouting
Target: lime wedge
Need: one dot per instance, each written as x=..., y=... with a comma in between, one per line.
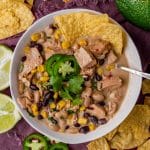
x=9, y=114
x=5, y=60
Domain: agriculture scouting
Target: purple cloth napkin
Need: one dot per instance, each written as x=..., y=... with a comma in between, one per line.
x=12, y=140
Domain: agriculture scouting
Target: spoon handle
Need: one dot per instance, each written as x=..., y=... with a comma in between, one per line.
x=139, y=73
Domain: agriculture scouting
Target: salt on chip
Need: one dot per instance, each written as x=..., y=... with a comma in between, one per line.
x=146, y=86
x=80, y=24
x=15, y=18
x=99, y=144
x=134, y=131
x=145, y=146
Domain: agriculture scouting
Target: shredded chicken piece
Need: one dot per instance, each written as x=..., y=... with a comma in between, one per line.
x=109, y=82
x=36, y=96
x=97, y=96
x=84, y=58
x=33, y=60
x=72, y=130
x=111, y=58
x=97, y=111
x=111, y=108
x=98, y=46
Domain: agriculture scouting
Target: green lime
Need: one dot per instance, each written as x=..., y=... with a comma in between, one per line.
x=136, y=11
x=9, y=114
x=5, y=60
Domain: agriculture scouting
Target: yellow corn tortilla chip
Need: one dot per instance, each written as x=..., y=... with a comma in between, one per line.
x=112, y=33
x=15, y=18
x=145, y=146
x=80, y=24
x=146, y=86
x=111, y=134
x=134, y=131
x=99, y=144
x=147, y=100
x=75, y=25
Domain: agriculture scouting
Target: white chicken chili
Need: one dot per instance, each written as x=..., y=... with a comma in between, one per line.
x=72, y=88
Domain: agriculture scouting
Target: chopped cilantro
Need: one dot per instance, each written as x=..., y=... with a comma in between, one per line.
x=65, y=68
x=75, y=84
x=77, y=101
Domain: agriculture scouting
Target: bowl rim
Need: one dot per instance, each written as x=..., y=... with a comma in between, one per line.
x=76, y=138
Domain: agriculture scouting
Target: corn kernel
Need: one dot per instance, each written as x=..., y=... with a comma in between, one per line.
x=82, y=42
x=82, y=121
x=35, y=113
x=61, y=104
x=55, y=95
x=100, y=71
x=110, y=67
x=44, y=79
x=52, y=105
x=70, y=117
x=45, y=74
x=27, y=49
x=65, y=44
x=57, y=34
x=35, y=37
x=91, y=126
x=33, y=71
x=34, y=107
x=44, y=114
x=40, y=68
x=82, y=108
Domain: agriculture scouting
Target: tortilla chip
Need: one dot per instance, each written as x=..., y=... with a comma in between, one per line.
x=15, y=18
x=111, y=134
x=99, y=144
x=75, y=25
x=29, y=3
x=146, y=86
x=134, y=131
x=111, y=33
x=147, y=100
x=80, y=24
x=144, y=146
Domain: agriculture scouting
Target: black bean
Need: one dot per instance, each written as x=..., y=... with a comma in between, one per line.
x=86, y=78
x=77, y=125
x=102, y=103
x=39, y=47
x=32, y=44
x=23, y=58
x=48, y=97
x=40, y=117
x=34, y=87
x=102, y=121
x=98, y=77
x=39, y=105
x=101, y=61
x=93, y=119
x=67, y=127
x=84, y=129
x=86, y=115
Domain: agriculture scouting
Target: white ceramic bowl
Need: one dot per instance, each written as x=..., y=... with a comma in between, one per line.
x=127, y=104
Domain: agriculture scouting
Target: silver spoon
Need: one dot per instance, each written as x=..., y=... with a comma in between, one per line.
x=133, y=71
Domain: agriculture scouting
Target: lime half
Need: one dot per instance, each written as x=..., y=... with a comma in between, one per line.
x=5, y=60
x=9, y=114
